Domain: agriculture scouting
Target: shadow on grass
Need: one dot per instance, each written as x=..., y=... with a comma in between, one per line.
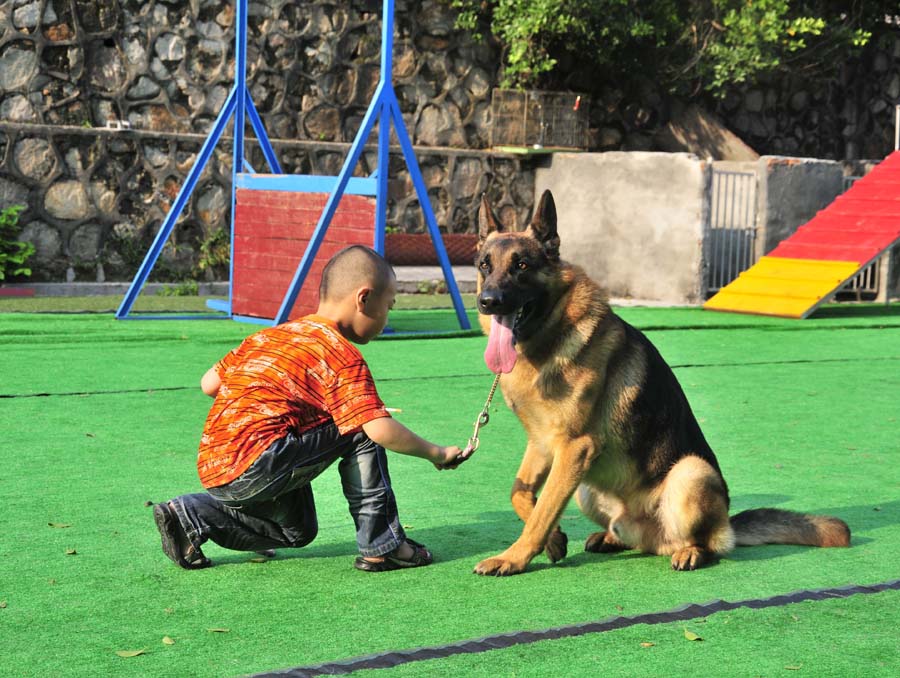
x=867, y=517
x=489, y=534
x=742, y=502
x=495, y=531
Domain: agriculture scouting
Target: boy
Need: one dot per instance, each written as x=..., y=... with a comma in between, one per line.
x=290, y=401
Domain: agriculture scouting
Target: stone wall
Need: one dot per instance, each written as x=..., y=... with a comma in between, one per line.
x=842, y=111
x=312, y=66
x=96, y=198
x=845, y=116
x=159, y=72
x=163, y=68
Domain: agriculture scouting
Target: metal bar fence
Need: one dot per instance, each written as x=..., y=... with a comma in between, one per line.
x=864, y=285
x=732, y=233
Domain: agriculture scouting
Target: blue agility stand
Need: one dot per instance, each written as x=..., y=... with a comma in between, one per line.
x=383, y=109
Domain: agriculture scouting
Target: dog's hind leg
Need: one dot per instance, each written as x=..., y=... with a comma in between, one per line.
x=693, y=515
x=530, y=478
x=600, y=509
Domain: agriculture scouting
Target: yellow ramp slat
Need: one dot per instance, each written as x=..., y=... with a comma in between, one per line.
x=782, y=287
x=743, y=303
x=801, y=269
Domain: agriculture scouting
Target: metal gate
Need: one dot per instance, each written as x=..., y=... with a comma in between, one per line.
x=731, y=238
x=863, y=286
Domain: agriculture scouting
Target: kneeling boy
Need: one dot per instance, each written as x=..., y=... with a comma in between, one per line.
x=290, y=401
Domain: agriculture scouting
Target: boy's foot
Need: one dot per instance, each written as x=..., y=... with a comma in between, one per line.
x=175, y=542
x=409, y=554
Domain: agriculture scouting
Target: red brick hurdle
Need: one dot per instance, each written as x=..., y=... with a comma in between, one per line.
x=271, y=231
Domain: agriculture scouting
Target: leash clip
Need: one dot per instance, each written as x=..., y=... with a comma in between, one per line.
x=482, y=420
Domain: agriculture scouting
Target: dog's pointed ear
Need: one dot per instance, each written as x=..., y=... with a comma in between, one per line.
x=487, y=222
x=543, y=226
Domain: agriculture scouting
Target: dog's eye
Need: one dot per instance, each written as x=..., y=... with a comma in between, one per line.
x=484, y=265
x=522, y=265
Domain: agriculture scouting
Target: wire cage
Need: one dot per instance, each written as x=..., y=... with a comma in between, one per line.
x=539, y=120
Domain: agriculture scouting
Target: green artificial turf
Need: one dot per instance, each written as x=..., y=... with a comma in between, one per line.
x=826, y=639
x=145, y=303
x=802, y=414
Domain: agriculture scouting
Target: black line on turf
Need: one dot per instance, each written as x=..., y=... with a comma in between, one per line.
x=391, y=659
x=92, y=393
x=482, y=375
x=763, y=328
x=797, y=361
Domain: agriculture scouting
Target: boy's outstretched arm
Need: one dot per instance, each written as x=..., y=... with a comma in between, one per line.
x=210, y=382
x=392, y=435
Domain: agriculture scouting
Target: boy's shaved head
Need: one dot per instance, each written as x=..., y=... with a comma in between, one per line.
x=351, y=268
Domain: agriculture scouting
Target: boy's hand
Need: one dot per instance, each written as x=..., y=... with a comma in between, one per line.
x=392, y=435
x=450, y=457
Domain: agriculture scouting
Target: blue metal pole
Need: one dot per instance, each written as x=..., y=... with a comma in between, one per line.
x=387, y=40
x=240, y=82
x=261, y=135
x=381, y=190
x=375, y=109
x=175, y=211
x=240, y=107
x=412, y=164
x=384, y=108
x=384, y=127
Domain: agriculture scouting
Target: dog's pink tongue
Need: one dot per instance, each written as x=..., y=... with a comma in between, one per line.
x=500, y=354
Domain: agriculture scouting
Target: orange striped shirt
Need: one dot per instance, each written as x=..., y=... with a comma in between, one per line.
x=290, y=377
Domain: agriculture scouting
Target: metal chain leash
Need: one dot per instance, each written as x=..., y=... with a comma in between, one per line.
x=483, y=418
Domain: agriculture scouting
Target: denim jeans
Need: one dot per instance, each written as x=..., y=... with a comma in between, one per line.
x=271, y=504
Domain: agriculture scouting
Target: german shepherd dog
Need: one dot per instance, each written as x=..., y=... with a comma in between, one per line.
x=606, y=419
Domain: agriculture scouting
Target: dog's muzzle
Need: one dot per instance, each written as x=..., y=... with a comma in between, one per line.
x=493, y=302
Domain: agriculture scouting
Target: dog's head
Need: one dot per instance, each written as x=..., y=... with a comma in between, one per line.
x=515, y=272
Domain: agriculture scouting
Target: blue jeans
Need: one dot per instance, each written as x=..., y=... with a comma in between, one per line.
x=271, y=504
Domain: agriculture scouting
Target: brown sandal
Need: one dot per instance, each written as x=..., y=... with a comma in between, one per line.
x=421, y=556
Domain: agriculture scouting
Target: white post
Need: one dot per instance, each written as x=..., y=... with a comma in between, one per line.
x=896, y=127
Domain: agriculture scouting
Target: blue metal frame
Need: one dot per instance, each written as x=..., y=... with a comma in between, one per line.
x=304, y=183
x=238, y=103
x=384, y=109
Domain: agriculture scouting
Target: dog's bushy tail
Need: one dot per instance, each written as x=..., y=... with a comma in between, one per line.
x=775, y=526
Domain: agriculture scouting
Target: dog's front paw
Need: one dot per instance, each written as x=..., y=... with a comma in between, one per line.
x=557, y=545
x=498, y=567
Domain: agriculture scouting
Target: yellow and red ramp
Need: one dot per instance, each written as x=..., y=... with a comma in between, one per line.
x=807, y=268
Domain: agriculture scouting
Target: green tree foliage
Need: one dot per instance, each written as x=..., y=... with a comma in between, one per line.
x=215, y=254
x=13, y=253
x=686, y=45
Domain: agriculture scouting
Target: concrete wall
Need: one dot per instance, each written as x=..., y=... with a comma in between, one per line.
x=791, y=191
x=634, y=221
x=639, y=222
